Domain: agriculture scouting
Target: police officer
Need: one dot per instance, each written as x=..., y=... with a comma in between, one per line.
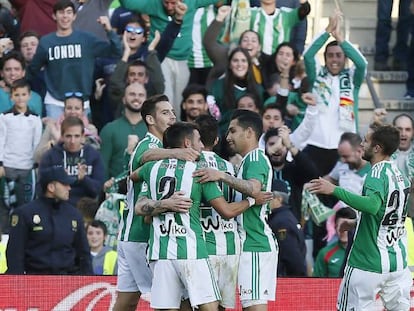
x=290, y=238
x=47, y=235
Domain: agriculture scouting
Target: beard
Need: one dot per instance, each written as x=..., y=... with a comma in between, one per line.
x=367, y=155
x=132, y=108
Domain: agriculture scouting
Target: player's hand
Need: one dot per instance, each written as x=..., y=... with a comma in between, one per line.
x=309, y=99
x=104, y=21
x=223, y=12
x=187, y=154
x=178, y=202
x=344, y=224
x=380, y=116
x=292, y=110
x=320, y=186
x=208, y=174
x=155, y=41
x=263, y=197
x=283, y=132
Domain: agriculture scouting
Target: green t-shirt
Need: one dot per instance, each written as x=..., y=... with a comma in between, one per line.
x=132, y=227
x=255, y=233
x=176, y=235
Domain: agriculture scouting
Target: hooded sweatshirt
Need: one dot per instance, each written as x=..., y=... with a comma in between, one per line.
x=91, y=185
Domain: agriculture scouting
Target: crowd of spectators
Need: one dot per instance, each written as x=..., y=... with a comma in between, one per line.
x=74, y=78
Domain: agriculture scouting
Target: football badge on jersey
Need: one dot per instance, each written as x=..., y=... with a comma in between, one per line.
x=14, y=220
x=36, y=219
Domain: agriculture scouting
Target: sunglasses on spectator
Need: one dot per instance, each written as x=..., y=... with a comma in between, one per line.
x=137, y=30
x=74, y=94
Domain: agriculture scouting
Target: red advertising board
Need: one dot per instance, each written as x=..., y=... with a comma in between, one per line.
x=63, y=293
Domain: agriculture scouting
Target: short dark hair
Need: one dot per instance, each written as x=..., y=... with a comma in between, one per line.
x=87, y=207
x=150, y=104
x=174, y=135
x=29, y=33
x=345, y=212
x=247, y=118
x=13, y=55
x=62, y=5
x=386, y=136
x=352, y=138
x=277, y=107
x=332, y=43
x=138, y=63
x=208, y=128
x=69, y=122
x=194, y=88
x=253, y=97
x=98, y=224
x=270, y=133
x=20, y=83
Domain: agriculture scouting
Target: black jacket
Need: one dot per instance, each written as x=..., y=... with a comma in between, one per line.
x=48, y=237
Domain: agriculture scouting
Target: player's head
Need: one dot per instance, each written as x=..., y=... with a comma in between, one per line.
x=135, y=32
x=209, y=130
x=73, y=104
x=158, y=114
x=29, y=40
x=380, y=141
x=244, y=131
x=345, y=213
x=334, y=57
x=350, y=150
x=274, y=147
x=405, y=124
x=183, y=135
x=194, y=102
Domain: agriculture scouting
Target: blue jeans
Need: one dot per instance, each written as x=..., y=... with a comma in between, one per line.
x=384, y=28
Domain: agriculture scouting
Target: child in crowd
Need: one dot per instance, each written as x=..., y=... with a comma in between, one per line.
x=104, y=259
x=20, y=132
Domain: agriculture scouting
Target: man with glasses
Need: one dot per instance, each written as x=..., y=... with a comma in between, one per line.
x=68, y=57
x=141, y=62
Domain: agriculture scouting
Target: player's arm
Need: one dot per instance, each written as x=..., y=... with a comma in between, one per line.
x=230, y=210
x=176, y=203
x=369, y=203
x=155, y=154
x=250, y=187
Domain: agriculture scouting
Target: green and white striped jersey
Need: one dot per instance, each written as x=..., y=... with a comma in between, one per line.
x=380, y=242
x=176, y=235
x=202, y=19
x=132, y=227
x=220, y=234
x=273, y=29
x=255, y=233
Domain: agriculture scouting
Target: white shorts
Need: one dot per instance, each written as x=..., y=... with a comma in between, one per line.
x=359, y=289
x=225, y=269
x=174, y=278
x=134, y=274
x=257, y=277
